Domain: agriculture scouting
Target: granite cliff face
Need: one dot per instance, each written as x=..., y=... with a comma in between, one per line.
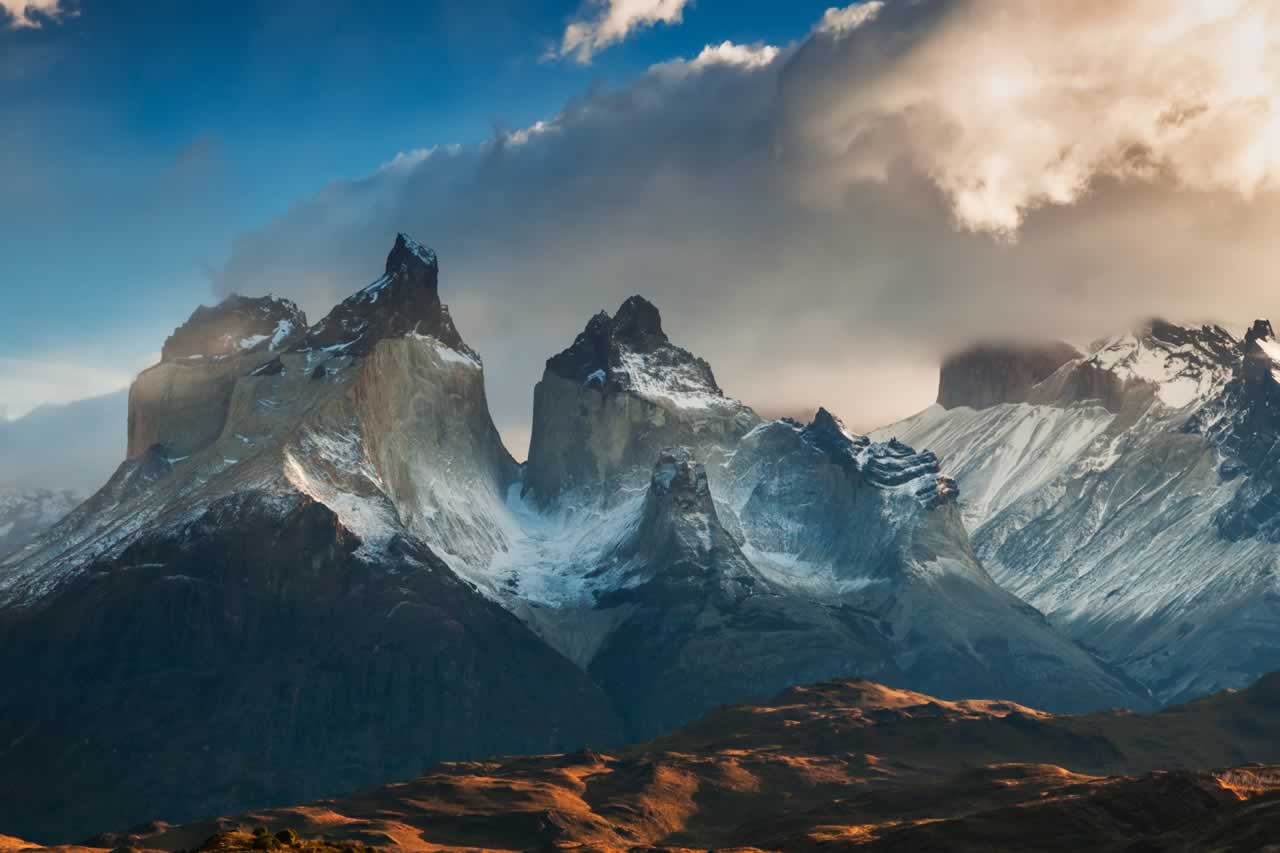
x=1131, y=499
x=988, y=375
x=621, y=394
x=183, y=402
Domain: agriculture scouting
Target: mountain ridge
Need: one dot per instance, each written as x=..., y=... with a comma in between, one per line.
x=1129, y=499
x=664, y=550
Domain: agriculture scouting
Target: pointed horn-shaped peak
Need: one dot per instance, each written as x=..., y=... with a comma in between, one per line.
x=408, y=254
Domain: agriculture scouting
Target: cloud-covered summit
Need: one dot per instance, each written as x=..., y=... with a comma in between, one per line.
x=824, y=219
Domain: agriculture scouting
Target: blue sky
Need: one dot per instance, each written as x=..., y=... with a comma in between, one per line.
x=141, y=137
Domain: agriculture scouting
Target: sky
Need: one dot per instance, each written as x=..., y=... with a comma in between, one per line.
x=822, y=199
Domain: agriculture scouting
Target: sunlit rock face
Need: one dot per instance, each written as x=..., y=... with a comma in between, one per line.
x=182, y=402
x=623, y=392
x=1131, y=500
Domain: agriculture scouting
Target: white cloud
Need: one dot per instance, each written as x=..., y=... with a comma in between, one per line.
x=742, y=56
x=842, y=21
x=611, y=21
x=1022, y=104
x=29, y=13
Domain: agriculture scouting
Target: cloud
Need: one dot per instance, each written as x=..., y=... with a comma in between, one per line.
x=840, y=22
x=611, y=21
x=22, y=14
x=744, y=56
x=1013, y=106
x=28, y=383
x=823, y=220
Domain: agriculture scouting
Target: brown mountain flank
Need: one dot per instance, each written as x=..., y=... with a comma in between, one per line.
x=835, y=766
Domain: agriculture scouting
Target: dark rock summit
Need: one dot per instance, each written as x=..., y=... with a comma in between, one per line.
x=404, y=301
x=611, y=350
x=987, y=375
x=236, y=325
x=1245, y=424
x=620, y=394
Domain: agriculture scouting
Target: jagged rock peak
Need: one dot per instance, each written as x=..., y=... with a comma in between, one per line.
x=827, y=433
x=638, y=325
x=409, y=255
x=888, y=466
x=629, y=351
x=404, y=301
x=990, y=374
x=1260, y=331
x=677, y=476
x=237, y=324
x=1260, y=362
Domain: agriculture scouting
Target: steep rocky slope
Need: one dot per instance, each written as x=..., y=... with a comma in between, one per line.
x=26, y=513
x=240, y=616
x=1131, y=500
x=686, y=553
x=848, y=765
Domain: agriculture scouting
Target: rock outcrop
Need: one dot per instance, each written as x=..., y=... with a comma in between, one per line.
x=618, y=396
x=182, y=402
x=405, y=300
x=987, y=375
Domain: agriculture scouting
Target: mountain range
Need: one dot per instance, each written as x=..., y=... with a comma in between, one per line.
x=1129, y=494
x=319, y=569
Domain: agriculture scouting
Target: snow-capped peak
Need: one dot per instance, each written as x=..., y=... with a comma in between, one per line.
x=235, y=325
x=413, y=247
x=1185, y=365
x=629, y=352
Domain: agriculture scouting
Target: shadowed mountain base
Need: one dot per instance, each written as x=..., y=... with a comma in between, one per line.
x=836, y=766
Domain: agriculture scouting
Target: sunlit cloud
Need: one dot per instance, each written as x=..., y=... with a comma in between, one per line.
x=29, y=14
x=839, y=22
x=743, y=56
x=1017, y=105
x=825, y=220
x=607, y=22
